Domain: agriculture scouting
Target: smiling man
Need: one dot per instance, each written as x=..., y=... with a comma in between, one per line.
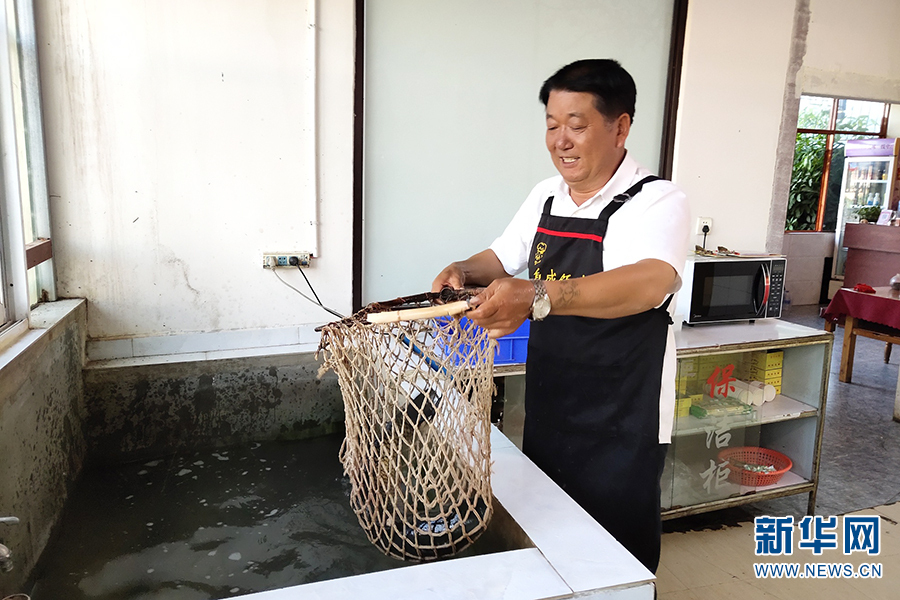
x=604, y=244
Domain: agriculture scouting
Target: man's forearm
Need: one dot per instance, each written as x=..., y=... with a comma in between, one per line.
x=624, y=291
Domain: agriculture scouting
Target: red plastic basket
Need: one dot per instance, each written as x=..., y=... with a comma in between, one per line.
x=755, y=455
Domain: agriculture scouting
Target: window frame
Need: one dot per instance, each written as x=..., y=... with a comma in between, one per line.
x=829, y=133
x=23, y=178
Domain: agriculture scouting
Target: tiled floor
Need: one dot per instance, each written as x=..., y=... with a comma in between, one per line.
x=711, y=556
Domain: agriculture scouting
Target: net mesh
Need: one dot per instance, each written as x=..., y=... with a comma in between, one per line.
x=417, y=398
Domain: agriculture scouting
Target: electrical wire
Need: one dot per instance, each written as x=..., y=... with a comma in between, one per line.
x=316, y=301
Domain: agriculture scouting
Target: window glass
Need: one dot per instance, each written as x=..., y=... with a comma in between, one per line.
x=835, y=176
x=806, y=182
x=859, y=115
x=815, y=112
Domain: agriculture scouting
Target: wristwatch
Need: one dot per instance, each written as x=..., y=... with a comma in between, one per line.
x=540, y=306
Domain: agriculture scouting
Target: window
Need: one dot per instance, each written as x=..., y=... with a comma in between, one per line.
x=26, y=273
x=823, y=127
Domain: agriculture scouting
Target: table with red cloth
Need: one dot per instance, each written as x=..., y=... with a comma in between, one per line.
x=875, y=316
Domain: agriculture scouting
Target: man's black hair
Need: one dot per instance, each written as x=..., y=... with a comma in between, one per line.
x=612, y=87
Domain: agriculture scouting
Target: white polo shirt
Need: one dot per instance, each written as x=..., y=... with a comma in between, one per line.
x=653, y=224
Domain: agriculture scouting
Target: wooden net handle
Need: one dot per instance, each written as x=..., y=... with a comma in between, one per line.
x=412, y=314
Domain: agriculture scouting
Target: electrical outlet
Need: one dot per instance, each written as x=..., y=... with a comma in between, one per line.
x=704, y=221
x=287, y=260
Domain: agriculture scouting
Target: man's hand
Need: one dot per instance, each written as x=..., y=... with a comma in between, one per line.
x=452, y=276
x=503, y=306
x=480, y=269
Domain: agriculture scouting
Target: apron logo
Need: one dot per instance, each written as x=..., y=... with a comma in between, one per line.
x=551, y=276
x=539, y=253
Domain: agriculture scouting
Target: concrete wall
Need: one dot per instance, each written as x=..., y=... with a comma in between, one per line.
x=42, y=447
x=154, y=410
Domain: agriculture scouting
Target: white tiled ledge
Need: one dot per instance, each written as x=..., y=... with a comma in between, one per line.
x=190, y=347
x=26, y=341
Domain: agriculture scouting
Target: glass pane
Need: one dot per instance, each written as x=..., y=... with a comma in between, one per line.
x=714, y=415
x=806, y=182
x=859, y=115
x=815, y=112
x=835, y=175
x=867, y=181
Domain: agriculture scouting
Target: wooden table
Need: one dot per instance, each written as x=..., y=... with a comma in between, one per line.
x=875, y=316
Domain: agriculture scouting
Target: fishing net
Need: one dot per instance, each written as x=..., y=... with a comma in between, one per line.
x=417, y=398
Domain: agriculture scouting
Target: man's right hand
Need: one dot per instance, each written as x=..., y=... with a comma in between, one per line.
x=452, y=276
x=477, y=270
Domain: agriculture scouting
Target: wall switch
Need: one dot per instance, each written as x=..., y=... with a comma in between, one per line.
x=287, y=260
x=704, y=221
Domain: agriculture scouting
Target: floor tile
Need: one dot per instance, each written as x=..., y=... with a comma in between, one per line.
x=732, y=590
x=679, y=557
x=891, y=511
x=730, y=549
x=679, y=595
x=885, y=588
x=667, y=582
x=807, y=589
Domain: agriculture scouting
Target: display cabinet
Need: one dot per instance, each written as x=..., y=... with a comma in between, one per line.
x=717, y=363
x=749, y=416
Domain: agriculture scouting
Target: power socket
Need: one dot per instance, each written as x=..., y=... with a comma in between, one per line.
x=286, y=260
x=704, y=221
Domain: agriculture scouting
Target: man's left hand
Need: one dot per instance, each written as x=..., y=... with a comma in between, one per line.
x=503, y=306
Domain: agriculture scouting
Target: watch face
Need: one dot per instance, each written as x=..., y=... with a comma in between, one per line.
x=541, y=307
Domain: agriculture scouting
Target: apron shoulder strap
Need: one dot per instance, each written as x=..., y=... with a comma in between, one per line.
x=547, y=204
x=624, y=197
x=635, y=189
x=665, y=305
x=665, y=308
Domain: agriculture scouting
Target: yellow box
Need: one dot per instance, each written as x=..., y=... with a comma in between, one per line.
x=765, y=374
x=773, y=359
x=688, y=367
x=772, y=378
x=682, y=407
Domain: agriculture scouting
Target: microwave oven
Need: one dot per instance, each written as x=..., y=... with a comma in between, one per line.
x=721, y=289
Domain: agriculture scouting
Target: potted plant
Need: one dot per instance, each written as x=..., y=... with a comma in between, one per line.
x=868, y=214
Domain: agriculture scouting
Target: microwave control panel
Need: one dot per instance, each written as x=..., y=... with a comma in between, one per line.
x=776, y=289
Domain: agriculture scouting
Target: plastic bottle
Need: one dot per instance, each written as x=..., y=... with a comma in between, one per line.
x=786, y=300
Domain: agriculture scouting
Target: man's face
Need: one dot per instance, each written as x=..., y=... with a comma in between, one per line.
x=586, y=147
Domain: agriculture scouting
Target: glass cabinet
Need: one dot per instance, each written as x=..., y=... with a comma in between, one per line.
x=749, y=415
x=748, y=423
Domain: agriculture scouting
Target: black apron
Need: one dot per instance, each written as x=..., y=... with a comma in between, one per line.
x=592, y=391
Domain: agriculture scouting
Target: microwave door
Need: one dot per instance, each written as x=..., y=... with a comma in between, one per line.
x=728, y=291
x=763, y=285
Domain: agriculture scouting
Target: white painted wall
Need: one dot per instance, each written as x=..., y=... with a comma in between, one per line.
x=175, y=144
x=735, y=63
x=852, y=50
x=454, y=127
x=176, y=156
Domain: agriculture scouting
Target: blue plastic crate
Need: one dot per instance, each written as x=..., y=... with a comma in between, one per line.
x=513, y=347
